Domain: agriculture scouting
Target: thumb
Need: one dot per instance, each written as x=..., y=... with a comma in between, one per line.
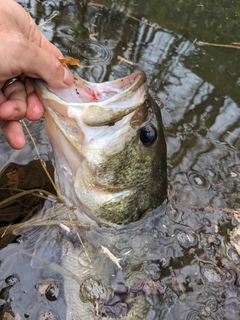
x=40, y=63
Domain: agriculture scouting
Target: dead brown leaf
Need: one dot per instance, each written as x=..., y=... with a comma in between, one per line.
x=235, y=213
x=13, y=178
x=208, y=208
x=70, y=60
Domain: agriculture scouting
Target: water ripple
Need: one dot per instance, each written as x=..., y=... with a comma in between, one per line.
x=197, y=180
x=92, y=51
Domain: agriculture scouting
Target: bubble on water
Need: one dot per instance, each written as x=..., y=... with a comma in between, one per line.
x=12, y=280
x=210, y=173
x=206, y=222
x=197, y=180
x=92, y=290
x=193, y=315
x=153, y=270
x=210, y=274
x=204, y=312
x=119, y=310
x=92, y=51
x=233, y=255
x=19, y=239
x=181, y=136
x=52, y=292
x=155, y=233
x=136, y=277
x=186, y=239
x=212, y=305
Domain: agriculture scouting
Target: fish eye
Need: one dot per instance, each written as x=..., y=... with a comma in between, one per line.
x=148, y=135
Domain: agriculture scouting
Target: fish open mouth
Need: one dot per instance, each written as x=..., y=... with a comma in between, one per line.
x=96, y=104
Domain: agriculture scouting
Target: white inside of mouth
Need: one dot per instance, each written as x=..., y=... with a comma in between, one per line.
x=87, y=92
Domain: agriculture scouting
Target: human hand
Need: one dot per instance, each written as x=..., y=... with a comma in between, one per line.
x=24, y=52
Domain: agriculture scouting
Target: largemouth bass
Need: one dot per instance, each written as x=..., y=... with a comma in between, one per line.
x=94, y=260
x=110, y=152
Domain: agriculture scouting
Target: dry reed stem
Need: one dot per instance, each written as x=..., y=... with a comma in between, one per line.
x=54, y=15
x=111, y=256
x=70, y=218
x=27, y=192
x=125, y=60
x=43, y=163
x=36, y=222
x=219, y=45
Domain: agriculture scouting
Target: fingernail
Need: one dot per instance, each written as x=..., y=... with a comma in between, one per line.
x=68, y=76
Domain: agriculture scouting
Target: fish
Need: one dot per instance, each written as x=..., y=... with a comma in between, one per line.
x=90, y=257
x=109, y=147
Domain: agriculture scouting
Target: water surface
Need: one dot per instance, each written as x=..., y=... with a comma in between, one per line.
x=185, y=248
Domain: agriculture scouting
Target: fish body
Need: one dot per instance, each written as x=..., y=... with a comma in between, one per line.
x=93, y=259
x=110, y=152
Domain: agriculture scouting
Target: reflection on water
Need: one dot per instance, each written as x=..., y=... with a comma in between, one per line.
x=178, y=263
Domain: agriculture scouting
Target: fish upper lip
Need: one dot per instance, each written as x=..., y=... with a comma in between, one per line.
x=130, y=91
x=140, y=79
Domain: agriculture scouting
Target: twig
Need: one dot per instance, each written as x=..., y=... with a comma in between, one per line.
x=39, y=223
x=50, y=18
x=111, y=256
x=125, y=60
x=232, y=134
x=6, y=230
x=26, y=192
x=70, y=218
x=43, y=163
x=219, y=45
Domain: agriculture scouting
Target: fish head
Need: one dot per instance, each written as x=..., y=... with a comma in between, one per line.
x=109, y=146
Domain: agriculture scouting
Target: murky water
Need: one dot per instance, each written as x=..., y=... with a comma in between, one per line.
x=183, y=249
